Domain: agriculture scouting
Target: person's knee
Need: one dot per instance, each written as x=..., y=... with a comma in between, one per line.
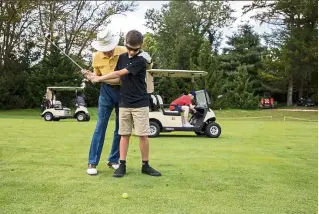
x=104, y=112
x=143, y=138
x=185, y=108
x=125, y=138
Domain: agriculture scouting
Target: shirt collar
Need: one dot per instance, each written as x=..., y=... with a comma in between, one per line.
x=126, y=54
x=116, y=53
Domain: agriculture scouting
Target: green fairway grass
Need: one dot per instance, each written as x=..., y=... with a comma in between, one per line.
x=257, y=165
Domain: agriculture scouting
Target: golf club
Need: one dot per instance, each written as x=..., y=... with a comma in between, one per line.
x=47, y=37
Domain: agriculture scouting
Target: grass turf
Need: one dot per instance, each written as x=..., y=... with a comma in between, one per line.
x=256, y=166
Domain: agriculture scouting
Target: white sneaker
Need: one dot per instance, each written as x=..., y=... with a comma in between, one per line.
x=91, y=170
x=188, y=125
x=115, y=166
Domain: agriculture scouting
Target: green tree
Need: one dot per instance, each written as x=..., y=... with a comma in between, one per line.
x=243, y=54
x=295, y=34
x=240, y=92
x=54, y=70
x=29, y=63
x=180, y=29
x=244, y=48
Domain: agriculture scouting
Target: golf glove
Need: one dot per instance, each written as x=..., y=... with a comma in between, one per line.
x=146, y=56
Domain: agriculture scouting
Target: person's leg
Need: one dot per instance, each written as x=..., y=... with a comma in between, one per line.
x=185, y=110
x=144, y=147
x=124, y=144
x=141, y=126
x=125, y=130
x=179, y=109
x=105, y=108
x=115, y=153
x=99, y=134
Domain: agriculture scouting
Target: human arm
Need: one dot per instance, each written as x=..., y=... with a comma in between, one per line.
x=188, y=102
x=92, y=76
x=132, y=68
x=112, y=81
x=114, y=76
x=96, y=63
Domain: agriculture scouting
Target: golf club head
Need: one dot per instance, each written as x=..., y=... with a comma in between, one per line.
x=52, y=37
x=48, y=35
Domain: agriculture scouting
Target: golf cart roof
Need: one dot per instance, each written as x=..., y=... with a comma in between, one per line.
x=176, y=73
x=65, y=88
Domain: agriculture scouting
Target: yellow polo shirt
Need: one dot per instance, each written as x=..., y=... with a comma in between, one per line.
x=103, y=65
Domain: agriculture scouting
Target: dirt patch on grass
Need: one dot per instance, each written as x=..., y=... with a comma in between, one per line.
x=296, y=109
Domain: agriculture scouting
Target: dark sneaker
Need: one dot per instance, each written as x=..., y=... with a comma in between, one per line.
x=120, y=172
x=147, y=169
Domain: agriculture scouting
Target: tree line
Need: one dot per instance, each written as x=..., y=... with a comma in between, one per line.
x=186, y=35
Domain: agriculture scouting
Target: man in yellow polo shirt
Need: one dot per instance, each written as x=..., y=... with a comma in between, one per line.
x=104, y=62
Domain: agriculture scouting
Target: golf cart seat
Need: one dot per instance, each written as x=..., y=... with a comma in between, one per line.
x=166, y=112
x=57, y=104
x=80, y=101
x=153, y=103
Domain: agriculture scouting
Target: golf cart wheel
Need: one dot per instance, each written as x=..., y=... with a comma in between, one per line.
x=48, y=116
x=88, y=117
x=81, y=117
x=213, y=130
x=154, y=129
x=200, y=133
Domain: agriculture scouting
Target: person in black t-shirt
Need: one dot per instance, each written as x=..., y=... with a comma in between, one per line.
x=134, y=103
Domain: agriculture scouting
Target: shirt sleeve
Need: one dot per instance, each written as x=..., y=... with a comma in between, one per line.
x=122, y=49
x=139, y=65
x=117, y=67
x=95, y=68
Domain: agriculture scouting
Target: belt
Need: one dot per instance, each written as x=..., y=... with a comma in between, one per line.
x=114, y=86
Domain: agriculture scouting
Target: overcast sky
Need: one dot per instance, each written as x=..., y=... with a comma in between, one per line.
x=135, y=20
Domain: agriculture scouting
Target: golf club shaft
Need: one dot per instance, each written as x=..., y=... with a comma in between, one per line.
x=64, y=53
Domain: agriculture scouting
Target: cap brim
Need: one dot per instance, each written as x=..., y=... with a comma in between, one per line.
x=104, y=48
x=134, y=47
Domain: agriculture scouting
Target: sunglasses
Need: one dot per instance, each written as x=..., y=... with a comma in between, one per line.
x=132, y=49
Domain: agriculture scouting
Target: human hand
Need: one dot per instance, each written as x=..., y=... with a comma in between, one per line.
x=95, y=78
x=85, y=72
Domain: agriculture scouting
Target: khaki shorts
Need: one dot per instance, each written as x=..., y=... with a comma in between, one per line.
x=138, y=116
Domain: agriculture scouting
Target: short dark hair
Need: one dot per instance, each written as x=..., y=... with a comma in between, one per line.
x=134, y=38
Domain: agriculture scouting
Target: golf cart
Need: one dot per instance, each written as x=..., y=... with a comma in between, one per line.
x=52, y=109
x=267, y=101
x=164, y=120
x=308, y=102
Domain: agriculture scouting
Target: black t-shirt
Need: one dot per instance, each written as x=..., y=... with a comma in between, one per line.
x=133, y=85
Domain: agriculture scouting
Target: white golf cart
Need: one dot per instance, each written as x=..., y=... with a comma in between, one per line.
x=53, y=110
x=164, y=120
